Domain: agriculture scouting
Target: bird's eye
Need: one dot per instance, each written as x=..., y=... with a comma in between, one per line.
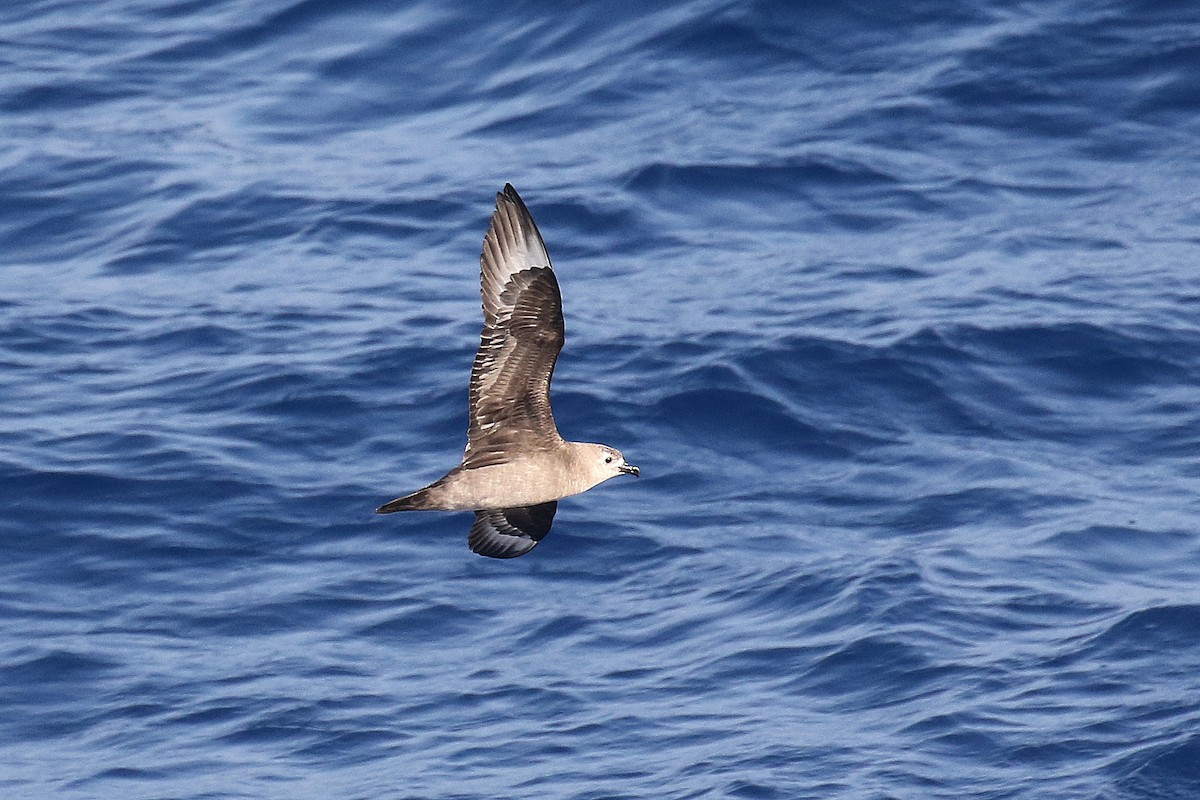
x=608, y=459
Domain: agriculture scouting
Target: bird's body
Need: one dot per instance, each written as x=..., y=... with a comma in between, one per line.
x=516, y=465
x=526, y=480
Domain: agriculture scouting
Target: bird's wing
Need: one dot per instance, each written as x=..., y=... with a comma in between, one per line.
x=510, y=532
x=522, y=334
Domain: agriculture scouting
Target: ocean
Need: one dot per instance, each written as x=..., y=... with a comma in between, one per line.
x=897, y=308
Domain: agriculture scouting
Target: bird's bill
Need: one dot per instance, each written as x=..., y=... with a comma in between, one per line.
x=630, y=469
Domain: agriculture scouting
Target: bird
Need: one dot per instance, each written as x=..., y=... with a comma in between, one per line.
x=516, y=466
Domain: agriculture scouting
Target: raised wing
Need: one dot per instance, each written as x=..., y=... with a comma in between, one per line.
x=522, y=335
x=510, y=532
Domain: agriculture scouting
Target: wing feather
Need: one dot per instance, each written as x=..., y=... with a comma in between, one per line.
x=522, y=335
x=510, y=532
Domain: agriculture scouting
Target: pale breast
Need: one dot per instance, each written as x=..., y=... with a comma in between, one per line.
x=527, y=481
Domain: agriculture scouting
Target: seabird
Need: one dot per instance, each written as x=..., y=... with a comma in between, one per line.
x=516, y=467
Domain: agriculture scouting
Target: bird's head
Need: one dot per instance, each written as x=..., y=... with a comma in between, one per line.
x=603, y=462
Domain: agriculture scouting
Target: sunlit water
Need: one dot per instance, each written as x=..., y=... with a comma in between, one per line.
x=896, y=310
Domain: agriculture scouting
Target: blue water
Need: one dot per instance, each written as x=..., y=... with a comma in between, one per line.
x=898, y=310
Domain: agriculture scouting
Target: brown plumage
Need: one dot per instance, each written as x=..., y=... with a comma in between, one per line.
x=516, y=465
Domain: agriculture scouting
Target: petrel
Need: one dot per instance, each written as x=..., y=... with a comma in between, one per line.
x=516, y=467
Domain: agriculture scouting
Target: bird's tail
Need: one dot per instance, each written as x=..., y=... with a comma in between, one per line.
x=417, y=501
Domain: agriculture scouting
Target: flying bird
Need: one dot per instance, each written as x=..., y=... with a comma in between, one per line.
x=516, y=466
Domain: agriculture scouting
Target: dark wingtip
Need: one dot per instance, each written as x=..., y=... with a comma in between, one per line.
x=493, y=550
x=510, y=195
